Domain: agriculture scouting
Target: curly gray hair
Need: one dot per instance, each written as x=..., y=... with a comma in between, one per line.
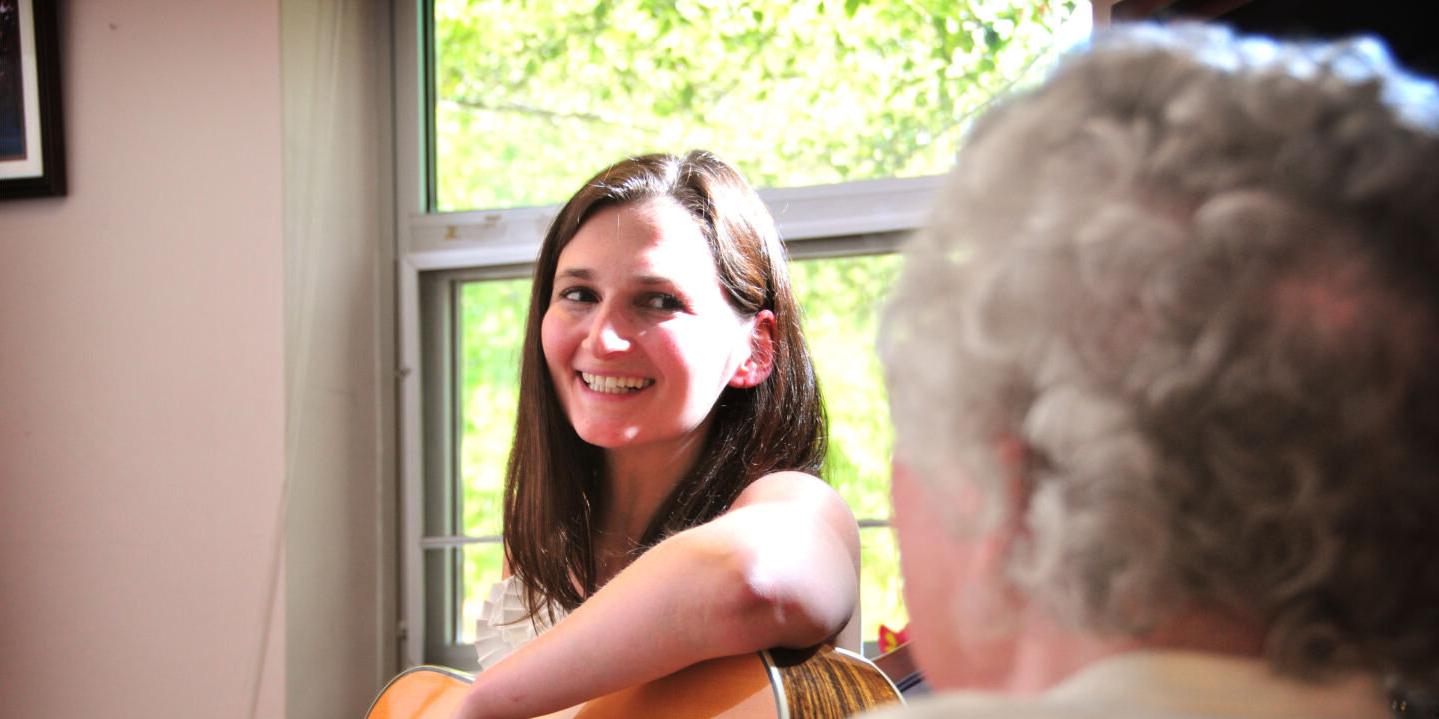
x=1195, y=274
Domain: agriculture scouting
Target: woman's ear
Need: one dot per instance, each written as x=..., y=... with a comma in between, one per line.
x=756, y=368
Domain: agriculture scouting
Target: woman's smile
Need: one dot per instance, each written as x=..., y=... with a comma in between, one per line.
x=614, y=385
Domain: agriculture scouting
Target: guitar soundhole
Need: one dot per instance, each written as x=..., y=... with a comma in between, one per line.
x=785, y=658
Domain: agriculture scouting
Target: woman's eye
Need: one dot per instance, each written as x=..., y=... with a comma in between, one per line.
x=576, y=294
x=662, y=301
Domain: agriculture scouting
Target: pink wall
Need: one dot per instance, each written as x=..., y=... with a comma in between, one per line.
x=142, y=376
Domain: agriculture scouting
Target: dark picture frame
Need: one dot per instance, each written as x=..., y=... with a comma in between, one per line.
x=32, y=132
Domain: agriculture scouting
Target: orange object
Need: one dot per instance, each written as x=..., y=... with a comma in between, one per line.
x=889, y=639
x=423, y=692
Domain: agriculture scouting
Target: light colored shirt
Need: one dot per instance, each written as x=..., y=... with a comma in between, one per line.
x=1167, y=685
x=503, y=625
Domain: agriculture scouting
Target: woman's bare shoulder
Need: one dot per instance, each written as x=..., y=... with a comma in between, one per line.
x=791, y=485
x=800, y=493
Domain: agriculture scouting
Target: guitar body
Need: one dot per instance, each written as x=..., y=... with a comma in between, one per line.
x=423, y=692
x=777, y=684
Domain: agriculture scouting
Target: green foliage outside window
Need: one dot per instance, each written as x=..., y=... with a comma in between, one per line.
x=491, y=330
x=533, y=97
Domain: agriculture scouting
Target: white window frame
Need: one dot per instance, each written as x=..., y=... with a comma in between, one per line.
x=847, y=218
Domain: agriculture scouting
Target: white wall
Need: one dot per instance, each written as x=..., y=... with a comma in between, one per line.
x=142, y=406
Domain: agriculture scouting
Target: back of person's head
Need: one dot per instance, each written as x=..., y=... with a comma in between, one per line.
x=1196, y=277
x=554, y=485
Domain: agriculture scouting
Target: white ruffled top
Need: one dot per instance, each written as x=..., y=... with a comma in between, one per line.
x=503, y=626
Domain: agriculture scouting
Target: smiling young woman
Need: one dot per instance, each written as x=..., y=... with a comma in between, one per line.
x=661, y=503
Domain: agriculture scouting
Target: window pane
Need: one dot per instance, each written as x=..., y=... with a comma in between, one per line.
x=533, y=98
x=491, y=326
x=840, y=299
x=491, y=329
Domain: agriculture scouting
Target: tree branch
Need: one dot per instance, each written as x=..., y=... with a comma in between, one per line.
x=522, y=109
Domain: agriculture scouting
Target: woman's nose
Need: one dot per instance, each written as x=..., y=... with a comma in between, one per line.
x=608, y=333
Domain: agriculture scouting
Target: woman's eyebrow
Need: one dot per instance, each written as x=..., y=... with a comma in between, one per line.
x=579, y=273
x=586, y=274
x=649, y=280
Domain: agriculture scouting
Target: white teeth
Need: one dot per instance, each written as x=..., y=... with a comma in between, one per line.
x=614, y=385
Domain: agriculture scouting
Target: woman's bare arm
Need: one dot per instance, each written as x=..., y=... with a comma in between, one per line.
x=780, y=568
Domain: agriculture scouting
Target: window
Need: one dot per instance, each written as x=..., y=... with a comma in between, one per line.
x=844, y=110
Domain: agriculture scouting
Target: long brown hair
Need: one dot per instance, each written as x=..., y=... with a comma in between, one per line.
x=554, y=484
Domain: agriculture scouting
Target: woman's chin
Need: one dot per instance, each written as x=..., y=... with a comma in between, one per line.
x=609, y=437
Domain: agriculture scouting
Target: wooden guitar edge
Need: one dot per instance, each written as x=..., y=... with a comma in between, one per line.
x=776, y=685
x=432, y=668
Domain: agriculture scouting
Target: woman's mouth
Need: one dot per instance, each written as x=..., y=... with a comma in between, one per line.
x=614, y=385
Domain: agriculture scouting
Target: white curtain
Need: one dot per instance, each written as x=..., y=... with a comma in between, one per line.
x=333, y=579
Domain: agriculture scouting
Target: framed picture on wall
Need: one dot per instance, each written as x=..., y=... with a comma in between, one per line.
x=32, y=137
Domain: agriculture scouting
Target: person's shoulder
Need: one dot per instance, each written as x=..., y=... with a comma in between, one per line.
x=790, y=486
x=801, y=499
x=788, y=481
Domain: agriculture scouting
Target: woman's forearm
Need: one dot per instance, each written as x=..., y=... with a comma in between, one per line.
x=652, y=619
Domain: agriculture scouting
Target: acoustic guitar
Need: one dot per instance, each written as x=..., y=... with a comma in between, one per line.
x=827, y=683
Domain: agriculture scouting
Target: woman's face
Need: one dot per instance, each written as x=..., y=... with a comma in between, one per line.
x=639, y=337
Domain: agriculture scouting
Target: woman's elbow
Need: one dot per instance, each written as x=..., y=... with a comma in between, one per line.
x=791, y=603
